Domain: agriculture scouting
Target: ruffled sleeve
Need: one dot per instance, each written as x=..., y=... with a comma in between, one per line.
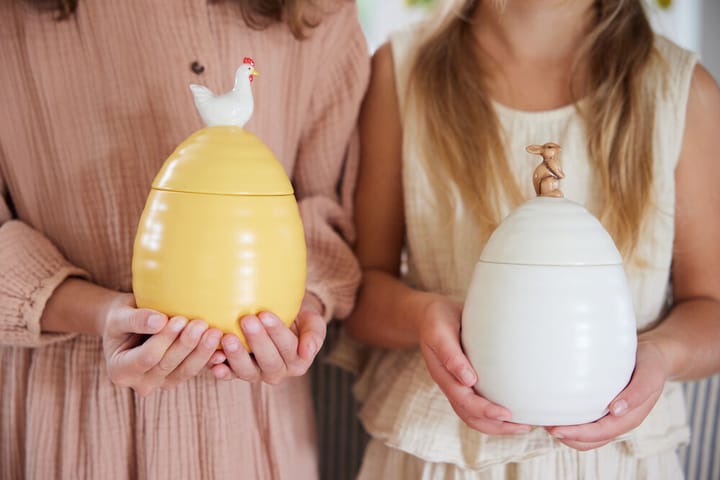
x=31, y=268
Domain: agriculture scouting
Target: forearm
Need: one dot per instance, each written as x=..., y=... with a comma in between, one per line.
x=77, y=306
x=32, y=268
x=689, y=339
x=387, y=311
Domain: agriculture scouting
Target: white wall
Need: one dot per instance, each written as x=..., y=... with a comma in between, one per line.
x=710, y=37
x=695, y=25
x=381, y=17
x=680, y=22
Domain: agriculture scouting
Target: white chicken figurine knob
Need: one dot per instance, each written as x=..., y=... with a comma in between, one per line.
x=232, y=108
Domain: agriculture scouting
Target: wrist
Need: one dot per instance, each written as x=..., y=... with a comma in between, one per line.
x=669, y=351
x=312, y=303
x=419, y=307
x=106, y=305
x=78, y=306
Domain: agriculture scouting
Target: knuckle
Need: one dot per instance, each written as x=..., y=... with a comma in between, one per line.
x=468, y=406
x=246, y=374
x=487, y=411
x=272, y=379
x=189, y=372
x=165, y=367
x=169, y=385
x=286, y=355
x=479, y=425
x=635, y=423
x=298, y=370
x=434, y=330
x=118, y=379
x=149, y=359
x=187, y=341
x=273, y=367
x=138, y=321
x=465, y=405
x=143, y=390
x=454, y=362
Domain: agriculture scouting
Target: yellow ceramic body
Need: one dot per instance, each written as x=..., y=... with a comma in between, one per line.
x=220, y=254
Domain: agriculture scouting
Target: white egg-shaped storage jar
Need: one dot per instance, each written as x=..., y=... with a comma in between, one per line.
x=548, y=322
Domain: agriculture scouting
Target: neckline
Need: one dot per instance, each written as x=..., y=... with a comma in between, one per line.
x=555, y=113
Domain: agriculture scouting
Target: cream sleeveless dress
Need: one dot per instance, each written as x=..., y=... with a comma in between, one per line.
x=415, y=433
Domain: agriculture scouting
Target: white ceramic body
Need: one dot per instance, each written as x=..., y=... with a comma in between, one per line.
x=553, y=344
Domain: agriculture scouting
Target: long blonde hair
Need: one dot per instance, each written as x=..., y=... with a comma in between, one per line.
x=466, y=146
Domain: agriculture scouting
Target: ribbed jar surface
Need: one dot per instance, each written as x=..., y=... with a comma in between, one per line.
x=553, y=344
x=220, y=257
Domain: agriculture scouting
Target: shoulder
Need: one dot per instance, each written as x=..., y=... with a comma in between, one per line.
x=382, y=63
x=698, y=166
x=669, y=48
x=333, y=58
x=393, y=62
x=703, y=108
x=381, y=106
x=404, y=43
x=338, y=20
x=676, y=63
x=339, y=40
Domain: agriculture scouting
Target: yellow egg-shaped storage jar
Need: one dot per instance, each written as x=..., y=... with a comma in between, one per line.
x=221, y=235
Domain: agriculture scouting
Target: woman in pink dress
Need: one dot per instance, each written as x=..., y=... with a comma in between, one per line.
x=93, y=102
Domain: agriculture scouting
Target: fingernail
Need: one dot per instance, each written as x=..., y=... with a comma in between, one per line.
x=231, y=344
x=156, y=321
x=251, y=325
x=503, y=418
x=178, y=324
x=619, y=408
x=268, y=319
x=213, y=339
x=312, y=348
x=197, y=330
x=467, y=377
x=217, y=358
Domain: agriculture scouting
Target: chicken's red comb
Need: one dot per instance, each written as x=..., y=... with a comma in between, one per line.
x=249, y=61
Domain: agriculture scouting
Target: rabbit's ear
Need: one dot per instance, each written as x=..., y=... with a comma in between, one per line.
x=534, y=149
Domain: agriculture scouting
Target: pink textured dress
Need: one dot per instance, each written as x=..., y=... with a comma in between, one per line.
x=91, y=107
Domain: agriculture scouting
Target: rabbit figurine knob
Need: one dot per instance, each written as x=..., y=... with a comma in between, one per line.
x=547, y=175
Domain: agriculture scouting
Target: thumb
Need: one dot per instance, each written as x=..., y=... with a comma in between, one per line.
x=311, y=333
x=646, y=382
x=125, y=319
x=443, y=342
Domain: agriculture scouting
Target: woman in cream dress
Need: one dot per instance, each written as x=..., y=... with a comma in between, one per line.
x=451, y=107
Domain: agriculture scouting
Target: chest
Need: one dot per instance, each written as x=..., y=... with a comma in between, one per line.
x=106, y=92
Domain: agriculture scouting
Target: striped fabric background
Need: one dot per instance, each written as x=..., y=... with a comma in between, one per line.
x=702, y=458
x=342, y=438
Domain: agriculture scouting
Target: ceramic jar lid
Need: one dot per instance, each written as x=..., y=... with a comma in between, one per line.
x=551, y=231
x=223, y=160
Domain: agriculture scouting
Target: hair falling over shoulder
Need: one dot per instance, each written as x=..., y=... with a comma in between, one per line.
x=299, y=15
x=465, y=146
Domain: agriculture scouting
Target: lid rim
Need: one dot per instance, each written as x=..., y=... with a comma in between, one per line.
x=223, y=194
x=553, y=264
x=223, y=160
